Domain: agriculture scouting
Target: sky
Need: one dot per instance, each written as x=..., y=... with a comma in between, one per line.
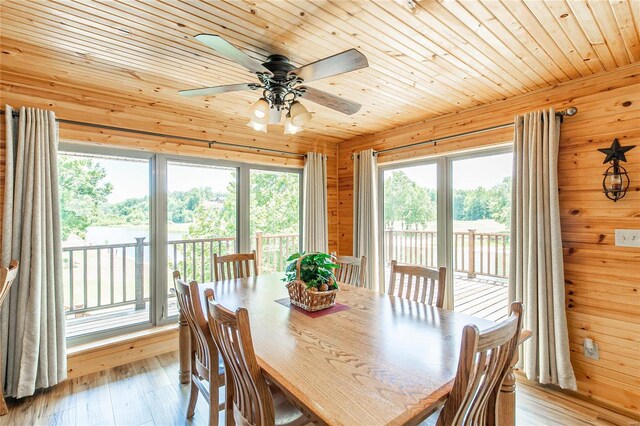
x=130, y=177
x=469, y=173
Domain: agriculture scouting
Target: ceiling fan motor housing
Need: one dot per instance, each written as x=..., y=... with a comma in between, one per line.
x=278, y=86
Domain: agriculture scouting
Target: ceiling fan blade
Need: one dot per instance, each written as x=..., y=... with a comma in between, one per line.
x=216, y=90
x=346, y=61
x=330, y=101
x=229, y=51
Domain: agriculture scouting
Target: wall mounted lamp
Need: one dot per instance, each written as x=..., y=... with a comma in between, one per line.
x=616, y=180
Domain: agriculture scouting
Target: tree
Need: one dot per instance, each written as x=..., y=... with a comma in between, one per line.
x=406, y=202
x=82, y=193
x=500, y=203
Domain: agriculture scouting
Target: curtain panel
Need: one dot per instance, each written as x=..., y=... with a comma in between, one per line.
x=315, y=232
x=537, y=270
x=32, y=318
x=365, y=214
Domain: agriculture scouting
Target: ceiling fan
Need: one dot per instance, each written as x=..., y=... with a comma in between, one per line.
x=281, y=84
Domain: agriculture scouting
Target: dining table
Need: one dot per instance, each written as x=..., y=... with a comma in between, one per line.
x=373, y=359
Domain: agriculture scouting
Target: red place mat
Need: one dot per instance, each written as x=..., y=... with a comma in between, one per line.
x=332, y=310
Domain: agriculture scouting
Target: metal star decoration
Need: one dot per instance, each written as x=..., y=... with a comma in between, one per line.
x=615, y=152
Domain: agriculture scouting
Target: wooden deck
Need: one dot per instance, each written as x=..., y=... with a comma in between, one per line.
x=484, y=297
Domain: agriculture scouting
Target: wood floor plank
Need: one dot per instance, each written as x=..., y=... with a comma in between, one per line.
x=124, y=382
x=93, y=404
x=120, y=395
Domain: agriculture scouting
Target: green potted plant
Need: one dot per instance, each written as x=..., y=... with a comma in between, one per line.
x=311, y=282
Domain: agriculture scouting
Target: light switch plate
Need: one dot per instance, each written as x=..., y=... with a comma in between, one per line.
x=628, y=237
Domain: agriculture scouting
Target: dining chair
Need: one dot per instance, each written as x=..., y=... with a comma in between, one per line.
x=485, y=360
x=251, y=399
x=352, y=269
x=233, y=266
x=206, y=364
x=420, y=285
x=7, y=275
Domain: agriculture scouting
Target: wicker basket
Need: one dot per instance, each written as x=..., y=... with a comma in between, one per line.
x=308, y=300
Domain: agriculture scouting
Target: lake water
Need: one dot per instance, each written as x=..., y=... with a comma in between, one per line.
x=122, y=234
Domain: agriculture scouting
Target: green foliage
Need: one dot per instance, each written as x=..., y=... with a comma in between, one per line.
x=82, y=193
x=482, y=203
x=275, y=202
x=406, y=202
x=410, y=205
x=315, y=269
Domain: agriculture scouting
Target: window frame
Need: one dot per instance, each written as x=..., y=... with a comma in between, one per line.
x=158, y=227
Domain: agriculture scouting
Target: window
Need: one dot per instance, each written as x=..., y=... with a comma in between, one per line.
x=201, y=219
x=105, y=215
x=274, y=217
x=410, y=216
x=130, y=219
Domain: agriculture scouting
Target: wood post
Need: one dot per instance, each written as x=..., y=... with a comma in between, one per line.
x=390, y=254
x=184, y=345
x=472, y=254
x=259, y=249
x=139, y=273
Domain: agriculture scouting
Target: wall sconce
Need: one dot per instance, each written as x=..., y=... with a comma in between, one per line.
x=616, y=180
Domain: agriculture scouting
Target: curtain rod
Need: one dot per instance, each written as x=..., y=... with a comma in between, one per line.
x=571, y=111
x=163, y=135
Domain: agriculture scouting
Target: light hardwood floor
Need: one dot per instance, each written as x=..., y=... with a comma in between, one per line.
x=147, y=392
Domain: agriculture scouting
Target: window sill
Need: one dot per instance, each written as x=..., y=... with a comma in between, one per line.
x=111, y=352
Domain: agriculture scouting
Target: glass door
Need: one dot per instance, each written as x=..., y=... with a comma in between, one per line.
x=481, y=210
x=410, y=216
x=201, y=220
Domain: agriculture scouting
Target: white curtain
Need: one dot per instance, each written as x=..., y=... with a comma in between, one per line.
x=315, y=233
x=537, y=271
x=365, y=214
x=32, y=317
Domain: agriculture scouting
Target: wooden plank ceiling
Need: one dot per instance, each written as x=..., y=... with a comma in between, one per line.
x=427, y=58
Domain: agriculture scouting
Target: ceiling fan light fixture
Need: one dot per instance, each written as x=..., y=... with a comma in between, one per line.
x=260, y=127
x=289, y=127
x=260, y=110
x=299, y=114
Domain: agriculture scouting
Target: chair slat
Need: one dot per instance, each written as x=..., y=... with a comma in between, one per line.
x=424, y=285
x=234, y=266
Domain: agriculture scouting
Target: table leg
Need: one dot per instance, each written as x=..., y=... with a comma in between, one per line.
x=184, y=345
x=507, y=397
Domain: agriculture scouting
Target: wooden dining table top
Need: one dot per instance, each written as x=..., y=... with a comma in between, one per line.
x=385, y=360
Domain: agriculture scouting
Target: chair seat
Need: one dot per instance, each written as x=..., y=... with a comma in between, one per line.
x=287, y=414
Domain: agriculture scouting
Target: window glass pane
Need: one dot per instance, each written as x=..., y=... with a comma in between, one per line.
x=201, y=219
x=274, y=217
x=481, y=217
x=105, y=237
x=410, y=216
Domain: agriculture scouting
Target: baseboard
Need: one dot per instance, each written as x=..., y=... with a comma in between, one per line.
x=609, y=412
x=108, y=353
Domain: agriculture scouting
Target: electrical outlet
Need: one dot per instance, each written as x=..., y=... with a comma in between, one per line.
x=591, y=349
x=628, y=237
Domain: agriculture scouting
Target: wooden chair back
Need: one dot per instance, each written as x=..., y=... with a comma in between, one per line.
x=418, y=283
x=7, y=275
x=352, y=270
x=233, y=266
x=205, y=353
x=246, y=386
x=485, y=360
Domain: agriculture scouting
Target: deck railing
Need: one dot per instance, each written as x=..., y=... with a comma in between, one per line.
x=473, y=252
x=112, y=275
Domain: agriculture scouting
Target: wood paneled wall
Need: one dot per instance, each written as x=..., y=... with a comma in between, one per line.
x=602, y=280
x=141, y=113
